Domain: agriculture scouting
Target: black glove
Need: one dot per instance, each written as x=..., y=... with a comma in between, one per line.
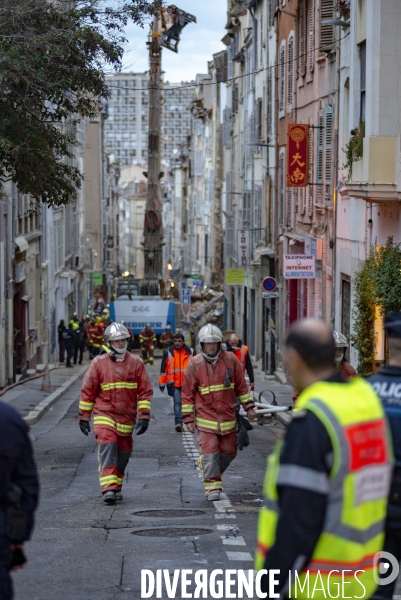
x=141, y=426
x=84, y=426
x=161, y=388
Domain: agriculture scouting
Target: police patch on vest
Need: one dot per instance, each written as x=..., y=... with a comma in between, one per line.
x=372, y=483
x=366, y=444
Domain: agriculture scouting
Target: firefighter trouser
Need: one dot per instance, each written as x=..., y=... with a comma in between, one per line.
x=113, y=453
x=217, y=452
x=147, y=355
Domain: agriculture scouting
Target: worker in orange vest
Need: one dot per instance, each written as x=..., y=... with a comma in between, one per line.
x=241, y=351
x=175, y=361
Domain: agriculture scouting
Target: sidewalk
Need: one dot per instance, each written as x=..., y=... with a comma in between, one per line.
x=31, y=402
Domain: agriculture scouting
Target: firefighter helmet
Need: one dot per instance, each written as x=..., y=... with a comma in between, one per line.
x=116, y=331
x=340, y=340
x=210, y=334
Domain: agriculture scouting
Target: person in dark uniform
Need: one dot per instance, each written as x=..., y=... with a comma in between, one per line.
x=60, y=330
x=387, y=384
x=19, y=485
x=80, y=342
x=69, y=339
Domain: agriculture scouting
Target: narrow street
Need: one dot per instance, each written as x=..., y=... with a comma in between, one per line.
x=84, y=550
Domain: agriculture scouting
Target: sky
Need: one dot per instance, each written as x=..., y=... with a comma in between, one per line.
x=198, y=42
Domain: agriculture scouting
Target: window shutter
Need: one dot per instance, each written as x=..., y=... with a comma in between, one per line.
x=269, y=103
x=255, y=41
x=211, y=185
x=311, y=36
x=282, y=76
x=261, y=39
x=234, y=102
x=257, y=220
x=258, y=119
x=326, y=31
x=290, y=71
x=301, y=192
x=246, y=210
x=310, y=173
x=302, y=40
x=229, y=238
x=290, y=207
x=230, y=55
x=362, y=58
x=328, y=154
x=281, y=191
x=199, y=202
x=319, y=161
x=272, y=10
x=227, y=126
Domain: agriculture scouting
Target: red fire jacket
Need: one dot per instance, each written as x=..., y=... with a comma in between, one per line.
x=95, y=335
x=147, y=339
x=207, y=400
x=173, y=366
x=116, y=392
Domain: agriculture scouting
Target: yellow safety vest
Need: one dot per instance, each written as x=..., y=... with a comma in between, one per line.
x=356, y=487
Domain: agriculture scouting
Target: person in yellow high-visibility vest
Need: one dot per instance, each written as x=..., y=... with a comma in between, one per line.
x=325, y=492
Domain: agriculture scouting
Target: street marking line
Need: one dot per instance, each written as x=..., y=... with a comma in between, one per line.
x=239, y=556
x=233, y=541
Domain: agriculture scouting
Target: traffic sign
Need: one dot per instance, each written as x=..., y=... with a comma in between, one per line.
x=185, y=301
x=268, y=295
x=269, y=284
x=185, y=309
x=186, y=296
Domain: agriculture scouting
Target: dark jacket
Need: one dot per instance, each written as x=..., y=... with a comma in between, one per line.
x=60, y=330
x=387, y=384
x=17, y=466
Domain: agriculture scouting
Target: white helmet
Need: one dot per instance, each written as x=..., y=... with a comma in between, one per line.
x=209, y=334
x=116, y=331
x=340, y=340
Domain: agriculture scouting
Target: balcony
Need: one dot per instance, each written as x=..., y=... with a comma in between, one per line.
x=374, y=176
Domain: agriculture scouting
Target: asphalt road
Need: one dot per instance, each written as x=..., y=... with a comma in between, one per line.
x=84, y=550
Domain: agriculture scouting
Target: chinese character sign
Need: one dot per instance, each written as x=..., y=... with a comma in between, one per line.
x=297, y=161
x=243, y=248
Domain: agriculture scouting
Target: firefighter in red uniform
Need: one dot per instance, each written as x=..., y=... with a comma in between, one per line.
x=167, y=338
x=147, y=340
x=116, y=388
x=175, y=361
x=211, y=381
x=241, y=351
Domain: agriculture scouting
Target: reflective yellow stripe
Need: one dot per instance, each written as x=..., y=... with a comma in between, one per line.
x=109, y=479
x=119, y=385
x=85, y=405
x=245, y=398
x=124, y=428
x=121, y=427
x=213, y=425
x=213, y=485
x=187, y=408
x=215, y=388
x=228, y=425
x=103, y=421
x=144, y=404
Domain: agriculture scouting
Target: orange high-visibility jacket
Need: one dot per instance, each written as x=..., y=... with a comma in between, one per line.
x=208, y=393
x=116, y=392
x=173, y=366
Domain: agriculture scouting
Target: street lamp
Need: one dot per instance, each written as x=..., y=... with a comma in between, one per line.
x=170, y=267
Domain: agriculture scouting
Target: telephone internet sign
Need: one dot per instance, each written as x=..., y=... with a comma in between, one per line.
x=299, y=266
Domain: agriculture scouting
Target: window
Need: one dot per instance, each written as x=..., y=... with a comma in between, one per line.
x=255, y=41
x=328, y=153
x=258, y=119
x=319, y=161
x=362, y=66
x=58, y=233
x=311, y=36
x=257, y=215
x=326, y=31
x=261, y=38
x=272, y=10
x=270, y=104
x=290, y=70
x=282, y=80
x=281, y=190
x=301, y=38
x=310, y=173
x=290, y=208
x=246, y=210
